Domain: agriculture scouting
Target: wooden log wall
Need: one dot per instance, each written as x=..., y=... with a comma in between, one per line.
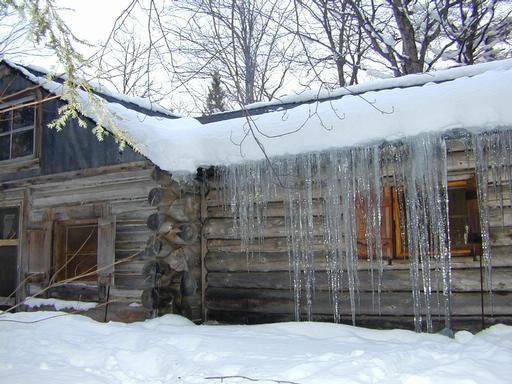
x=115, y=195
x=172, y=268
x=257, y=287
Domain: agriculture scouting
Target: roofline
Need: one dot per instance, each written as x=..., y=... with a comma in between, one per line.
x=107, y=97
x=255, y=111
x=417, y=80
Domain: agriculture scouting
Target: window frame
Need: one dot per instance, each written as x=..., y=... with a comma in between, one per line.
x=471, y=249
x=59, y=252
x=34, y=97
x=27, y=101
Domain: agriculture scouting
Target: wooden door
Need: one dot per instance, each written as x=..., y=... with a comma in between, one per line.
x=9, y=229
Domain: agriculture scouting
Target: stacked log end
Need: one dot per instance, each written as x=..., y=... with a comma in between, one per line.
x=172, y=271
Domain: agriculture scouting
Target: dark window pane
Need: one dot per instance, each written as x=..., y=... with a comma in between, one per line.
x=23, y=117
x=458, y=212
x=81, y=264
x=9, y=223
x=8, y=271
x=5, y=121
x=457, y=201
x=22, y=144
x=80, y=251
x=82, y=239
x=5, y=147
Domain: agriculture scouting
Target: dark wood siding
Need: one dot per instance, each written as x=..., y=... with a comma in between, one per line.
x=73, y=148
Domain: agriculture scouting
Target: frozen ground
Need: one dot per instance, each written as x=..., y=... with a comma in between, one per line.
x=74, y=349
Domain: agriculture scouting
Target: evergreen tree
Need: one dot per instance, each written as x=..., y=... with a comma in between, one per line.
x=215, y=101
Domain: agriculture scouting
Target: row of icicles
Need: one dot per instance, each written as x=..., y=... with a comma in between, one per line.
x=345, y=181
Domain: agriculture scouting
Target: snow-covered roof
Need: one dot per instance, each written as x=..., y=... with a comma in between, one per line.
x=474, y=98
x=142, y=104
x=413, y=80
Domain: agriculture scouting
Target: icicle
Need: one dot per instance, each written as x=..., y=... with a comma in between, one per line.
x=419, y=178
x=482, y=150
x=348, y=186
x=333, y=235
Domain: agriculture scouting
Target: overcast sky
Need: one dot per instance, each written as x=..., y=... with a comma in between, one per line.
x=93, y=19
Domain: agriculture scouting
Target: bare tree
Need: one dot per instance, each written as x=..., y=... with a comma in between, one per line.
x=243, y=39
x=480, y=29
x=332, y=39
x=13, y=34
x=128, y=66
x=402, y=32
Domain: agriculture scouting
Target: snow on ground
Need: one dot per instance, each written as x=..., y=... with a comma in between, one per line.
x=59, y=305
x=75, y=349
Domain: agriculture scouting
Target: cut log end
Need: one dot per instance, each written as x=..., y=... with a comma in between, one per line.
x=163, y=196
x=155, y=220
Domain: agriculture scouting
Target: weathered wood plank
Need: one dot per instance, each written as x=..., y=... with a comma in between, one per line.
x=91, y=195
x=463, y=280
x=277, y=244
x=130, y=267
x=274, y=209
x=392, y=303
x=223, y=261
x=106, y=247
x=72, y=182
x=274, y=227
x=501, y=236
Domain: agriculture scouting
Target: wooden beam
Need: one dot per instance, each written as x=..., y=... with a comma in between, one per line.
x=8, y=242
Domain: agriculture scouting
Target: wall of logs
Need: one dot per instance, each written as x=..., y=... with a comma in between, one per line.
x=172, y=269
x=257, y=286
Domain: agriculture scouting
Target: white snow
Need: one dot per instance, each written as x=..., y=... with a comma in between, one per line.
x=33, y=302
x=475, y=103
x=474, y=98
x=389, y=83
x=41, y=348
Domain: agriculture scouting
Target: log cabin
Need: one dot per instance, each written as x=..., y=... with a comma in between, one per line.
x=73, y=209
x=383, y=204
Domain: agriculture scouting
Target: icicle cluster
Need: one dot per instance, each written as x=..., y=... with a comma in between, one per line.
x=493, y=166
x=419, y=174
x=331, y=197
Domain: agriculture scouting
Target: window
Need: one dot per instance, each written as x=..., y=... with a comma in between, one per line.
x=464, y=221
x=17, y=129
x=76, y=250
x=464, y=218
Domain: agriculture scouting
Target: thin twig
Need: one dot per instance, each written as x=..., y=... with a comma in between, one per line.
x=222, y=378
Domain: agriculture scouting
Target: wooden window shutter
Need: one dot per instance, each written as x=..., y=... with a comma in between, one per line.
x=39, y=252
x=474, y=233
x=387, y=234
x=106, y=249
x=386, y=229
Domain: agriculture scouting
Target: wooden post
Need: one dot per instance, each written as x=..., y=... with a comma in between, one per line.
x=23, y=257
x=106, y=248
x=204, y=250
